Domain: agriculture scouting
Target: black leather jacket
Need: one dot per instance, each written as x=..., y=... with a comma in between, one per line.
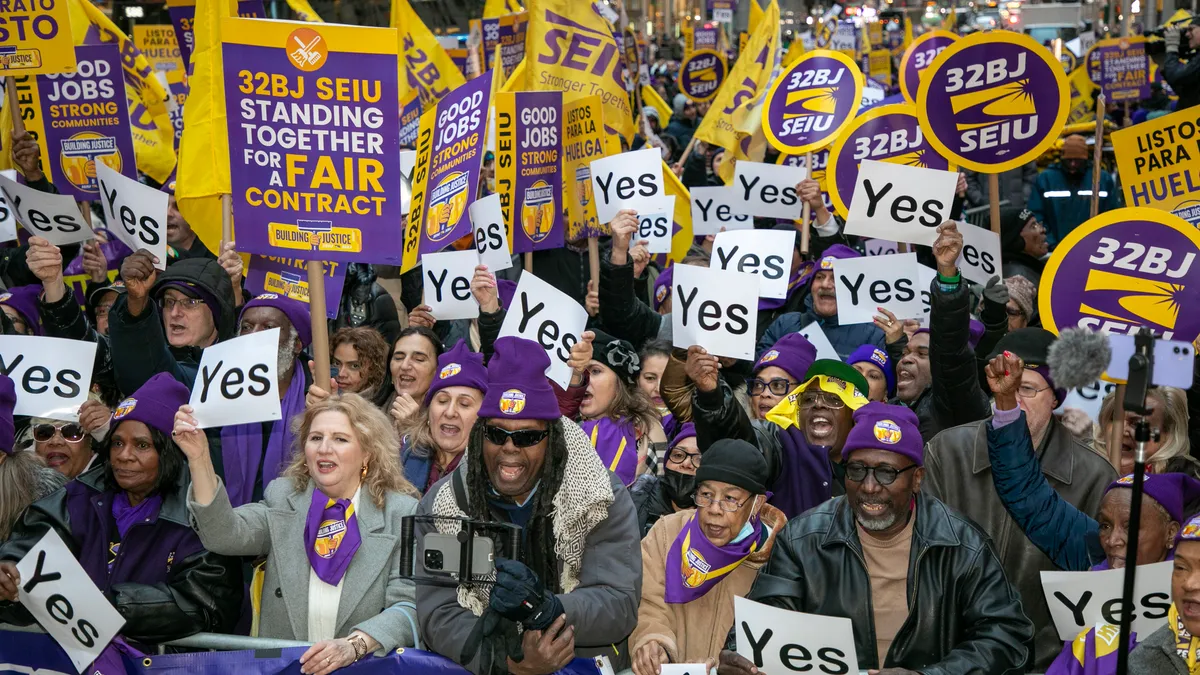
x=964, y=616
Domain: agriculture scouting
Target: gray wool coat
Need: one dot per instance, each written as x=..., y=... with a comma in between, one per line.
x=375, y=598
x=1156, y=655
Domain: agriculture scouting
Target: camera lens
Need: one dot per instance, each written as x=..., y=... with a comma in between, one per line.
x=434, y=560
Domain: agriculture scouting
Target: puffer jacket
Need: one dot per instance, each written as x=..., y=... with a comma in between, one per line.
x=958, y=471
x=163, y=582
x=139, y=344
x=692, y=632
x=366, y=303
x=954, y=396
x=964, y=615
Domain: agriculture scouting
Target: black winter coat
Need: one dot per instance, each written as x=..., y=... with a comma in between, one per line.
x=964, y=615
x=366, y=303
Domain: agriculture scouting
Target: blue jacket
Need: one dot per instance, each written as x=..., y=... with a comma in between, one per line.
x=1065, y=534
x=1062, y=205
x=845, y=339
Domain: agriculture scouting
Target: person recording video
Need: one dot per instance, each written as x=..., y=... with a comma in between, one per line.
x=1181, y=68
x=527, y=465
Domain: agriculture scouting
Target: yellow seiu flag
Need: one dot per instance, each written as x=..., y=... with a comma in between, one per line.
x=305, y=11
x=794, y=52
x=494, y=9
x=1081, y=87
x=756, y=16
x=203, y=174
x=950, y=23
x=150, y=124
x=552, y=63
x=726, y=124
x=651, y=97
x=426, y=66
x=681, y=241
x=908, y=35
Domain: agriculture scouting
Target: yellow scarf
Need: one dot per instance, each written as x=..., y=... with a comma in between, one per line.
x=787, y=412
x=1186, y=646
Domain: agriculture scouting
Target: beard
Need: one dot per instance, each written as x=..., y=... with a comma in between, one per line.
x=286, y=365
x=877, y=523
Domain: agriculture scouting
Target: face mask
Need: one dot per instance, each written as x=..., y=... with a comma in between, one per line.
x=746, y=531
x=680, y=487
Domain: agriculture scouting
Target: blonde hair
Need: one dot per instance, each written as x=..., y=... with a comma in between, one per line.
x=1175, y=426
x=24, y=479
x=376, y=437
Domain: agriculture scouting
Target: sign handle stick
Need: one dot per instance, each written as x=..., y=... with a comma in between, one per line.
x=805, y=229
x=529, y=262
x=687, y=152
x=1117, y=429
x=1097, y=153
x=14, y=108
x=994, y=200
x=320, y=326
x=227, y=219
x=594, y=259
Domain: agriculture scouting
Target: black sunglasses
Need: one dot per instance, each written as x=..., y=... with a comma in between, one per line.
x=884, y=475
x=71, y=432
x=522, y=438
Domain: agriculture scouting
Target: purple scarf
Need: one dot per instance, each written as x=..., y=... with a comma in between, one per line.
x=331, y=536
x=798, y=279
x=616, y=443
x=1085, y=655
x=242, y=446
x=695, y=566
x=805, y=477
x=126, y=515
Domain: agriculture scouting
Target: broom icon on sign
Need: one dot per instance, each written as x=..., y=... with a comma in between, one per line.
x=305, y=53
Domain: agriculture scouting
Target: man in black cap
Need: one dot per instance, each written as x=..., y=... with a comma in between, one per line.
x=694, y=562
x=958, y=472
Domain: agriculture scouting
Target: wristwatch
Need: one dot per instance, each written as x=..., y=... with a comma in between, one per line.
x=359, y=644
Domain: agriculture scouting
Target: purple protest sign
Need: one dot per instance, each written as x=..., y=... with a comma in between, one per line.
x=1123, y=269
x=812, y=102
x=1121, y=68
x=529, y=168
x=85, y=120
x=313, y=140
x=722, y=10
x=993, y=101
x=508, y=33
x=446, y=176
x=288, y=277
x=701, y=75
x=890, y=133
x=919, y=55
x=705, y=37
x=183, y=18
x=410, y=118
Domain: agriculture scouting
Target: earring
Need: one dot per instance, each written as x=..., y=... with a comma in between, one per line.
x=364, y=472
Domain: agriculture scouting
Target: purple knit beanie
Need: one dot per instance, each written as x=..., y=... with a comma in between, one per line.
x=879, y=426
x=517, y=387
x=154, y=403
x=24, y=299
x=459, y=367
x=295, y=311
x=792, y=352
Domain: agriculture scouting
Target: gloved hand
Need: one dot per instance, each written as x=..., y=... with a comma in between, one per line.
x=520, y=596
x=995, y=291
x=1171, y=37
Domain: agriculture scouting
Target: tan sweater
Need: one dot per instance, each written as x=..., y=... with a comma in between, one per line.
x=693, y=632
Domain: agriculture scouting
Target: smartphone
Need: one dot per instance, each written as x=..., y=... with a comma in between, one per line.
x=1174, y=361
x=443, y=554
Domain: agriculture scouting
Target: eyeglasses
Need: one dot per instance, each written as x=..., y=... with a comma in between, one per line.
x=884, y=475
x=679, y=457
x=186, y=304
x=1014, y=311
x=728, y=504
x=1029, y=391
x=522, y=438
x=71, y=432
x=813, y=399
x=779, y=386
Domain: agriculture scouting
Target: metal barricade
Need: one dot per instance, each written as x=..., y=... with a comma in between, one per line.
x=980, y=215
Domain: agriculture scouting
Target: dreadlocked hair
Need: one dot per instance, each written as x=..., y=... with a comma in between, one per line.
x=538, y=554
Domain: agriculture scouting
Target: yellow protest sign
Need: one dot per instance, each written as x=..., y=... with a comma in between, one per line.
x=1159, y=164
x=36, y=38
x=880, y=65
x=583, y=142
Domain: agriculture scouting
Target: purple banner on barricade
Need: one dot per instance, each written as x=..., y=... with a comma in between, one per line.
x=313, y=140
x=85, y=120
x=287, y=277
